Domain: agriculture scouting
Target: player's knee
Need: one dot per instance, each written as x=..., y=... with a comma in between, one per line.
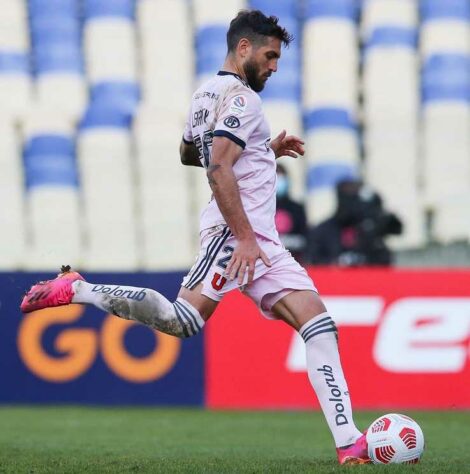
x=188, y=321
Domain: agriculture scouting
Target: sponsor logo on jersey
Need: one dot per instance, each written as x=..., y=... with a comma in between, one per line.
x=232, y=122
x=238, y=105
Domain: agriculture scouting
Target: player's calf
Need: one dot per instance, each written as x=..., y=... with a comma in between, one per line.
x=144, y=305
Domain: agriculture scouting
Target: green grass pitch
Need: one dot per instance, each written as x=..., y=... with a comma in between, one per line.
x=134, y=440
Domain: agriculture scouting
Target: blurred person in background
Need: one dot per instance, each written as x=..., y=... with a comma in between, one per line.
x=290, y=219
x=227, y=134
x=355, y=234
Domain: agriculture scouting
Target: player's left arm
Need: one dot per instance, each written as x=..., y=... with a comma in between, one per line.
x=287, y=145
x=189, y=154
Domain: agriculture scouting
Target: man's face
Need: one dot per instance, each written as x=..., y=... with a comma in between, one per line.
x=261, y=62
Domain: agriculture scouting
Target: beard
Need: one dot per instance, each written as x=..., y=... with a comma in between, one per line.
x=255, y=81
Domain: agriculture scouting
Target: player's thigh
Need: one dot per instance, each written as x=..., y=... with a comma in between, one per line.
x=202, y=303
x=298, y=307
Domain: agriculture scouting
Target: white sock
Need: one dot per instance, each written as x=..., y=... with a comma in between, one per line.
x=326, y=376
x=146, y=306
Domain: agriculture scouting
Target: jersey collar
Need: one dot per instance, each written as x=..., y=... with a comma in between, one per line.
x=228, y=73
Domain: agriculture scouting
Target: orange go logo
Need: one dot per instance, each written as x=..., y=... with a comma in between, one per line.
x=80, y=347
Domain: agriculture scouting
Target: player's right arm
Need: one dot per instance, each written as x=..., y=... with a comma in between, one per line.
x=225, y=153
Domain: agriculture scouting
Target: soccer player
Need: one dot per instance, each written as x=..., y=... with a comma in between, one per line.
x=227, y=134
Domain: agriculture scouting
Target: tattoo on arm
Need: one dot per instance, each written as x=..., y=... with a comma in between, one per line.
x=210, y=174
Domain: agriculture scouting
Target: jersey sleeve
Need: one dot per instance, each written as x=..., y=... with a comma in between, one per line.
x=188, y=133
x=238, y=117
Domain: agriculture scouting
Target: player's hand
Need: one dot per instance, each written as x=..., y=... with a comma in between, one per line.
x=287, y=145
x=244, y=259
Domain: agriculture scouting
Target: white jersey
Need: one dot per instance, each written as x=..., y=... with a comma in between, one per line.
x=226, y=106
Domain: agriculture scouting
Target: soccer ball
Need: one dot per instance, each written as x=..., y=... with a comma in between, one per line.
x=395, y=439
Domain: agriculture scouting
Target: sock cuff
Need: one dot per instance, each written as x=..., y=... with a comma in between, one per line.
x=320, y=324
x=189, y=317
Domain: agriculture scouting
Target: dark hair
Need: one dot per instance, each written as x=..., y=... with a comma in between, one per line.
x=254, y=25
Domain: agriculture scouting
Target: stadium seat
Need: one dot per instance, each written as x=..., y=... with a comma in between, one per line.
x=380, y=13
x=52, y=198
x=445, y=27
x=15, y=82
x=93, y=9
x=331, y=61
x=12, y=236
x=58, y=61
x=166, y=78
x=333, y=154
x=446, y=168
x=168, y=231
x=107, y=183
x=445, y=120
x=111, y=58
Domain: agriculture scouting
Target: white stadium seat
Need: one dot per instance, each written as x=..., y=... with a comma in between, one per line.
x=377, y=13
x=15, y=82
x=110, y=53
x=330, y=64
x=450, y=35
x=164, y=194
x=391, y=85
x=12, y=236
x=447, y=168
x=63, y=91
x=167, y=79
x=108, y=189
x=207, y=12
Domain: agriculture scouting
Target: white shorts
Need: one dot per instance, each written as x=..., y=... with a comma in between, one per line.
x=269, y=285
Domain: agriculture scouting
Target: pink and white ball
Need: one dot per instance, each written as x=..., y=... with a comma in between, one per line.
x=395, y=439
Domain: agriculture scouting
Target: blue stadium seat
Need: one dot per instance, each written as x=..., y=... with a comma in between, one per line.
x=446, y=77
x=279, y=9
x=55, y=28
x=117, y=95
x=442, y=9
x=107, y=8
x=393, y=36
x=347, y=9
x=329, y=118
x=327, y=175
x=211, y=47
x=53, y=8
x=58, y=57
x=14, y=62
x=50, y=161
x=97, y=116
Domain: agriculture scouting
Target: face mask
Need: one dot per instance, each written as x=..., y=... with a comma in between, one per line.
x=282, y=186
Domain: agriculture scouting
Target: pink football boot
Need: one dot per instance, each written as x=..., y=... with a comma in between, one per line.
x=355, y=453
x=50, y=293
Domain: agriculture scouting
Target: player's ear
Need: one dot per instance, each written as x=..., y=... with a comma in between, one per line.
x=244, y=47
